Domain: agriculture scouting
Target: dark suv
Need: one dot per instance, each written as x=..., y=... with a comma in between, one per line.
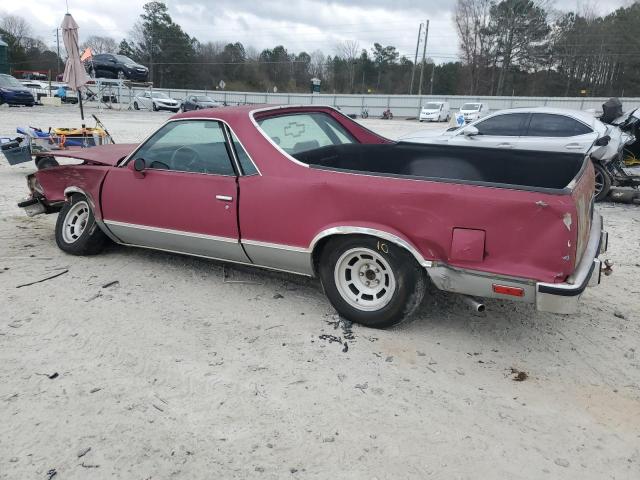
x=107, y=65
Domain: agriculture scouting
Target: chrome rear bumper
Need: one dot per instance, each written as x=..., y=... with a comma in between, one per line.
x=548, y=297
x=565, y=297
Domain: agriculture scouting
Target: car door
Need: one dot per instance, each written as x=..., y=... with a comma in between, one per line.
x=552, y=132
x=499, y=131
x=185, y=200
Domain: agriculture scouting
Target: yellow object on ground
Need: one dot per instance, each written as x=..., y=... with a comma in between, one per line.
x=79, y=131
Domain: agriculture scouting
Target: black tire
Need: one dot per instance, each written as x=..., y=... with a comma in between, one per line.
x=602, y=181
x=46, y=162
x=136, y=106
x=409, y=278
x=91, y=240
x=154, y=107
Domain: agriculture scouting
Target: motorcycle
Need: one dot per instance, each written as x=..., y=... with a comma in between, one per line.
x=387, y=115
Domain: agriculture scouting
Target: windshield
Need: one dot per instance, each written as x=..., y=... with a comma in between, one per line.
x=9, y=82
x=470, y=106
x=432, y=106
x=159, y=95
x=204, y=99
x=124, y=59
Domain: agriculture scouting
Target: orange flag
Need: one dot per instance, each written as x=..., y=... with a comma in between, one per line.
x=86, y=54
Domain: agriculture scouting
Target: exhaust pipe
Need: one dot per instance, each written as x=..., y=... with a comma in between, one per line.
x=473, y=303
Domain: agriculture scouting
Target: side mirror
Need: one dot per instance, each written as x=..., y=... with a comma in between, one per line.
x=470, y=131
x=603, y=141
x=139, y=166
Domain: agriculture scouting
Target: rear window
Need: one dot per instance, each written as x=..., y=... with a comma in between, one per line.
x=549, y=125
x=301, y=132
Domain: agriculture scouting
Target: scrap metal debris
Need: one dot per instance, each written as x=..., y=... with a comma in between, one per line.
x=44, y=279
x=519, y=375
x=362, y=387
x=346, y=326
x=51, y=473
x=330, y=338
x=83, y=452
x=111, y=284
x=49, y=376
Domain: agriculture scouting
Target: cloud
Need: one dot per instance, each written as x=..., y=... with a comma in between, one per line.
x=297, y=24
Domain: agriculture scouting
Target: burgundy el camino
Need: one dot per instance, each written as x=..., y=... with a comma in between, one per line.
x=309, y=191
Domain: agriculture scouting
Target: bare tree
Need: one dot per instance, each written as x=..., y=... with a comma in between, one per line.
x=349, y=51
x=317, y=64
x=471, y=19
x=99, y=44
x=17, y=27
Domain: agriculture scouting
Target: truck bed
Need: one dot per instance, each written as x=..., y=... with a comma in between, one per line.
x=523, y=169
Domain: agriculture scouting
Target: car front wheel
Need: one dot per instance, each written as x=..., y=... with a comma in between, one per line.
x=77, y=232
x=136, y=106
x=371, y=281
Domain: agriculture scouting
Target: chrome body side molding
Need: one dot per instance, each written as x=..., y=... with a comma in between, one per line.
x=209, y=246
x=280, y=257
x=346, y=230
x=479, y=284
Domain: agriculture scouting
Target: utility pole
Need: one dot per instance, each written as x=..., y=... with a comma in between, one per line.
x=433, y=69
x=424, y=54
x=415, y=61
x=58, y=47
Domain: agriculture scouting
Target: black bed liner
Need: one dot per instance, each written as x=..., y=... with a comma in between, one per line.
x=521, y=169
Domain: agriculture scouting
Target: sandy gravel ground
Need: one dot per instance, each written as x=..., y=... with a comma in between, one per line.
x=143, y=365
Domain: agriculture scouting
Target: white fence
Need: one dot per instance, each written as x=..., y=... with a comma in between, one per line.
x=400, y=105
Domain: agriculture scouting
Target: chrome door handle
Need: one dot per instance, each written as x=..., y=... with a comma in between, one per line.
x=224, y=198
x=505, y=145
x=573, y=146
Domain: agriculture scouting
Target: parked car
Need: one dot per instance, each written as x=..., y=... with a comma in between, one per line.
x=435, y=112
x=108, y=65
x=473, y=111
x=37, y=88
x=294, y=189
x=155, y=101
x=12, y=92
x=197, y=102
x=68, y=96
x=541, y=129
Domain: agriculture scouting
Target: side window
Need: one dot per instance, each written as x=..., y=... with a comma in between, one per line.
x=306, y=131
x=196, y=146
x=550, y=125
x=248, y=168
x=507, y=125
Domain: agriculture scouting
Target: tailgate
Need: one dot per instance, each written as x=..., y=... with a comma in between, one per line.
x=583, y=198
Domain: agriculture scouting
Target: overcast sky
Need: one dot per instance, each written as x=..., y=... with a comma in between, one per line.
x=297, y=24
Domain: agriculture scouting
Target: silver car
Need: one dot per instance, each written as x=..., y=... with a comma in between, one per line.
x=155, y=101
x=542, y=129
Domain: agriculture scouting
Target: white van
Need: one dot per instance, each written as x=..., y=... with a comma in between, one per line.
x=435, y=112
x=472, y=111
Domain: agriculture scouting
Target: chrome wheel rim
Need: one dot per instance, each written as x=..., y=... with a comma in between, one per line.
x=75, y=222
x=364, y=279
x=599, y=181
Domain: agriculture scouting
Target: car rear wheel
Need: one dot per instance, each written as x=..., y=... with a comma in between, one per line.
x=602, y=182
x=155, y=107
x=371, y=281
x=77, y=232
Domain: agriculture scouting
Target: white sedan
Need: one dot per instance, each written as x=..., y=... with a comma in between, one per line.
x=155, y=101
x=543, y=129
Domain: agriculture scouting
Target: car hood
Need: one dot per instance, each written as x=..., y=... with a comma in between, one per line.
x=101, y=155
x=16, y=89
